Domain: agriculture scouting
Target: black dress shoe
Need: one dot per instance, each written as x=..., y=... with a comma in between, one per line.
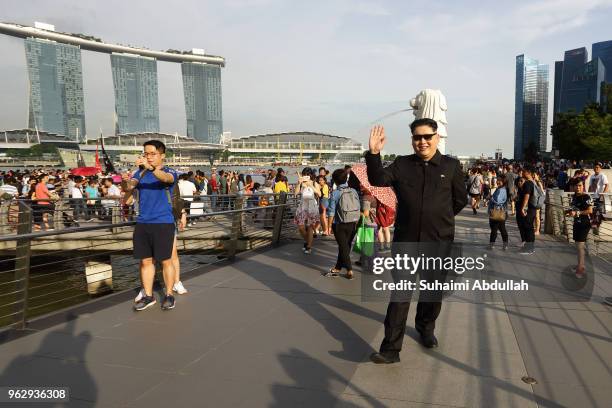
x=429, y=341
x=385, y=358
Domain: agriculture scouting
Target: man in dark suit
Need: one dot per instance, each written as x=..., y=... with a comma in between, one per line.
x=430, y=191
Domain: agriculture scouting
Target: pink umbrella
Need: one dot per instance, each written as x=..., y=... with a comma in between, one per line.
x=85, y=171
x=116, y=178
x=385, y=195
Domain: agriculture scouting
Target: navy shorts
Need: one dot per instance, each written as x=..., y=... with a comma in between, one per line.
x=154, y=241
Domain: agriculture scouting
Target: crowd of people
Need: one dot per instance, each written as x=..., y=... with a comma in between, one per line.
x=86, y=197
x=90, y=198
x=520, y=190
x=330, y=204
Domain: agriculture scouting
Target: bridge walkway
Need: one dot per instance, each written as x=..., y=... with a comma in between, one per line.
x=270, y=330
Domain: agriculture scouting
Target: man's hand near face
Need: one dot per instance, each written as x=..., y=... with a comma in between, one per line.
x=141, y=161
x=377, y=139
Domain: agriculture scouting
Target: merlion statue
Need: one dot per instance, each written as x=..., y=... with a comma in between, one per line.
x=431, y=103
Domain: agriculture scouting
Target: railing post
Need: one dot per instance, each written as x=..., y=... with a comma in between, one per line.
x=115, y=217
x=59, y=208
x=236, y=231
x=278, y=219
x=5, y=208
x=22, y=264
x=548, y=215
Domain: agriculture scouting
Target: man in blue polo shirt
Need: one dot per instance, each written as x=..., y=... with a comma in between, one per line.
x=155, y=226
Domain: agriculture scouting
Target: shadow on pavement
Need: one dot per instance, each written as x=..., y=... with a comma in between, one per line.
x=38, y=369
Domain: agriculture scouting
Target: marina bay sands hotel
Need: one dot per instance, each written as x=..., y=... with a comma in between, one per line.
x=56, y=102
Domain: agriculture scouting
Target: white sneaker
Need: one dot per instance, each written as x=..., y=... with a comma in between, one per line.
x=179, y=288
x=139, y=296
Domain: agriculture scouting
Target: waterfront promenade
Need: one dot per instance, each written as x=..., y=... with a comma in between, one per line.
x=267, y=330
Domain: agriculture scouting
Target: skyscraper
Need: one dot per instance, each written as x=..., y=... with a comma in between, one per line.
x=56, y=87
x=136, y=96
x=579, y=82
x=202, y=90
x=530, y=106
x=603, y=51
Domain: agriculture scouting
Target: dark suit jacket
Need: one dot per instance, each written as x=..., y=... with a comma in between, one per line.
x=429, y=195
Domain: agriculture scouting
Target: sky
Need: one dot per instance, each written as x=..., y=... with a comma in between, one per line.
x=330, y=66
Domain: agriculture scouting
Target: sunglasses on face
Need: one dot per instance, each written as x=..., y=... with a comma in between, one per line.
x=427, y=137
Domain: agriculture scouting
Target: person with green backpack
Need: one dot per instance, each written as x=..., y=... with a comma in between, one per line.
x=366, y=230
x=344, y=213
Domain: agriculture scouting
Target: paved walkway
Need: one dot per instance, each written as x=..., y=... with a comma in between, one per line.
x=270, y=331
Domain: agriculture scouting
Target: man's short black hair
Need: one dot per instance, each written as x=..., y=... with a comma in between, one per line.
x=529, y=169
x=158, y=145
x=340, y=176
x=424, y=122
x=575, y=181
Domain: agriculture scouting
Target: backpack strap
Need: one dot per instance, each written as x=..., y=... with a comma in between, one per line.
x=174, y=198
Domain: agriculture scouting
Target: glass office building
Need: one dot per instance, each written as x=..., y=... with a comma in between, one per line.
x=603, y=51
x=202, y=90
x=579, y=81
x=56, y=102
x=136, y=93
x=530, y=106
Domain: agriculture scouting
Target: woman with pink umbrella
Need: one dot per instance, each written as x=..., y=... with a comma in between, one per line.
x=385, y=209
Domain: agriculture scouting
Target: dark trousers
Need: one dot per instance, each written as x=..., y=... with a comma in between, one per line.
x=93, y=209
x=428, y=307
x=395, y=323
x=525, y=225
x=78, y=207
x=344, y=234
x=498, y=225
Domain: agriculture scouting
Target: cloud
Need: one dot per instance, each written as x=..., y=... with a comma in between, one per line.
x=369, y=8
x=248, y=3
x=445, y=29
x=394, y=54
x=548, y=17
x=521, y=26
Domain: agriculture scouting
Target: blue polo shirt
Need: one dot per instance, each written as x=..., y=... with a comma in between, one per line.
x=154, y=197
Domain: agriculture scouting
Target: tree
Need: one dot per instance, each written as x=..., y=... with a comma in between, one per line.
x=606, y=97
x=584, y=136
x=33, y=151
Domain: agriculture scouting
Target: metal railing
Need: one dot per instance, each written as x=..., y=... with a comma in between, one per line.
x=560, y=225
x=44, y=271
x=63, y=213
